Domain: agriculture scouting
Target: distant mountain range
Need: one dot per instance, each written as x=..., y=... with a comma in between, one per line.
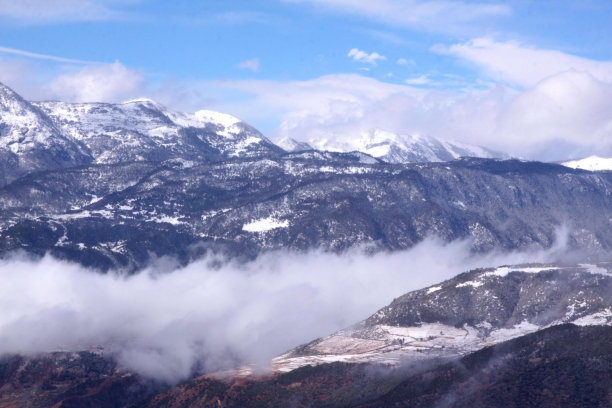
x=395, y=148
x=111, y=185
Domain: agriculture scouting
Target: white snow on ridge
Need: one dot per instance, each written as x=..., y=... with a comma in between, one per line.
x=265, y=224
x=591, y=163
x=505, y=270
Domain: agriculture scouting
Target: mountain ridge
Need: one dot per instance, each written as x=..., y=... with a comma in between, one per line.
x=394, y=147
x=466, y=313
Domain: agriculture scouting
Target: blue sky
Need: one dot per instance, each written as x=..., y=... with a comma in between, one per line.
x=523, y=76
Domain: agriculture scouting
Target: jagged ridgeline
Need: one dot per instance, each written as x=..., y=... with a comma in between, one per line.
x=113, y=185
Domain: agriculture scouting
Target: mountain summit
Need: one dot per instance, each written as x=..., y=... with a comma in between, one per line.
x=37, y=136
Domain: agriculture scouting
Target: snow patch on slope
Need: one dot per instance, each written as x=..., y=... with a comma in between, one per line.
x=265, y=224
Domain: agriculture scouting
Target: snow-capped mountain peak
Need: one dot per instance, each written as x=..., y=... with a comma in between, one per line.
x=292, y=145
x=228, y=125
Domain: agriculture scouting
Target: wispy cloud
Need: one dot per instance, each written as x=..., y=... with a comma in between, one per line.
x=362, y=56
x=521, y=64
x=404, y=61
x=436, y=15
x=252, y=64
x=420, y=80
x=57, y=11
x=22, y=53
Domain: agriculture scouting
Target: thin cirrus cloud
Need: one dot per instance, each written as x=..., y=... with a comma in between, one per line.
x=420, y=80
x=57, y=11
x=436, y=16
x=522, y=64
x=27, y=54
x=364, y=57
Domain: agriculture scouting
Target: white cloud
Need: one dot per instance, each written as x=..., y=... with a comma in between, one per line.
x=52, y=11
x=362, y=56
x=521, y=64
x=252, y=64
x=437, y=15
x=566, y=115
x=98, y=83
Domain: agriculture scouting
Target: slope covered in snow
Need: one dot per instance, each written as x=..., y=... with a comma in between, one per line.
x=471, y=311
x=142, y=129
x=591, y=163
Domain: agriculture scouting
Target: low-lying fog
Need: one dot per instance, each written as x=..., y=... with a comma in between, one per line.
x=163, y=323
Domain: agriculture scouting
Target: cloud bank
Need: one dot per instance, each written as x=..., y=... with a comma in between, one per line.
x=163, y=323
